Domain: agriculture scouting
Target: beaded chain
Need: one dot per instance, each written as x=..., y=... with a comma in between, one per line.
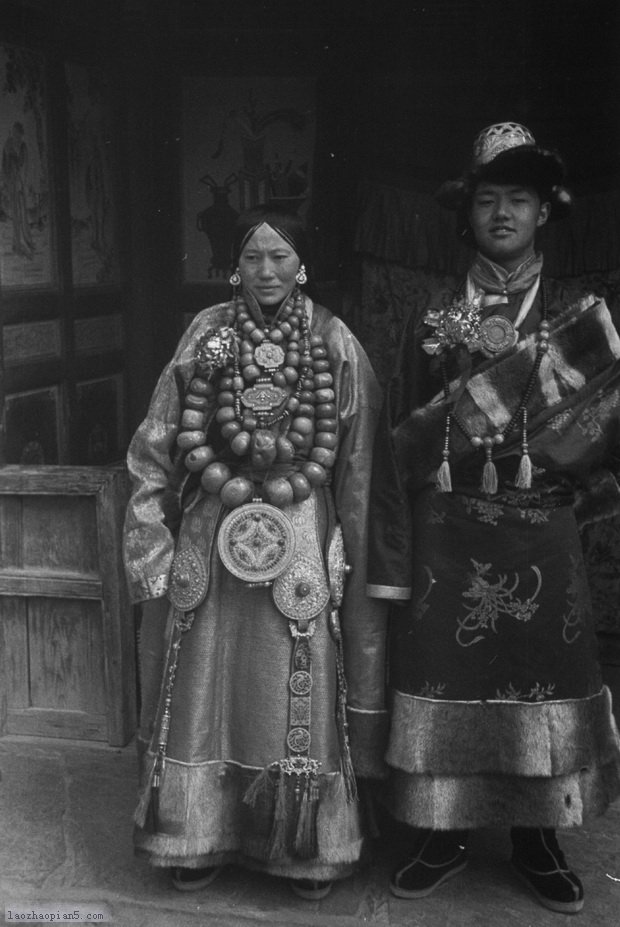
x=275, y=379
x=489, y=476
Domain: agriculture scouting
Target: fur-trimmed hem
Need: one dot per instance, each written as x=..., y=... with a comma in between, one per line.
x=283, y=868
x=202, y=819
x=457, y=803
x=532, y=739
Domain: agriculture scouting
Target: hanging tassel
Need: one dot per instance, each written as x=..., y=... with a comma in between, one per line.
x=444, y=478
x=489, y=473
x=306, y=843
x=145, y=810
x=151, y=823
x=258, y=786
x=277, y=838
x=524, y=473
x=489, y=478
x=148, y=805
x=342, y=724
x=350, y=782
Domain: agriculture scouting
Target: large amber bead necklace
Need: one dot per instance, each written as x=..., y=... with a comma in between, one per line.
x=273, y=401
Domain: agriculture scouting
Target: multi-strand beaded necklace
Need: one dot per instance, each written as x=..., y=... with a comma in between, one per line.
x=273, y=389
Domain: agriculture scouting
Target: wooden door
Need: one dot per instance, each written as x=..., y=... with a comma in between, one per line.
x=66, y=624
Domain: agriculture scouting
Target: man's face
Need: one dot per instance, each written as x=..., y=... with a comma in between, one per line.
x=504, y=219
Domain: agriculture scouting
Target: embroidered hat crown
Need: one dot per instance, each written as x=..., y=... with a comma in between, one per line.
x=498, y=138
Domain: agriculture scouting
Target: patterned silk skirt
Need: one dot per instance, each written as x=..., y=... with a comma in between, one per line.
x=499, y=712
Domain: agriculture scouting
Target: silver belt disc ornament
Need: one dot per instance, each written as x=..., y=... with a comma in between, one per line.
x=256, y=542
x=301, y=592
x=188, y=579
x=337, y=567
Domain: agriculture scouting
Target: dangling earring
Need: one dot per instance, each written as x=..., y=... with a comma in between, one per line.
x=301, y=276
x=235, y=278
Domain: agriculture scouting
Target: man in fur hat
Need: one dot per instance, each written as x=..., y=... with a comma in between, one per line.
x=503, y=414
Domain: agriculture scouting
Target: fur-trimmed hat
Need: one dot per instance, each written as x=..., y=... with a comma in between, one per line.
x=507, y=153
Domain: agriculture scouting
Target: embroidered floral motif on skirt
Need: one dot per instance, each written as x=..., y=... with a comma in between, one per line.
x=499, y=716
x=500, y=606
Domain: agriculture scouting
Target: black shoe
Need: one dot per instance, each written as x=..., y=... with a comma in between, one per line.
x=439, y=856
x=539, y=861
x=193, y=880
x=310, y=889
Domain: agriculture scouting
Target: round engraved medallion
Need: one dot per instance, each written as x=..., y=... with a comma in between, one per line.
x=497, y=334
x=301, y=592
x=300, y=683
x=256, y=542
x=298, y=740
x=188, y=579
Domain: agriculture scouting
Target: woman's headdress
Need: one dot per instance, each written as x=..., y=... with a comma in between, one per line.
x=287, y=224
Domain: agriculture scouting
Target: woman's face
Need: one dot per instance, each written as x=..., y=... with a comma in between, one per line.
x=267, y=266
x=504, y=219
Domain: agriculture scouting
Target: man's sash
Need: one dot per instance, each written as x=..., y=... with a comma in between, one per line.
x=583, y=355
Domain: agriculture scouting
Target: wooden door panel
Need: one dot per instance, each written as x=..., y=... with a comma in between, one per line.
x=10, y=531
x=58, y=534
x=66, y=624
x=66, y=655
x=14, y=617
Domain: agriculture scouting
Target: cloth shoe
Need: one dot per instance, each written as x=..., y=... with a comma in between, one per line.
x=539, y=861
x=193, y=880
x=438, y=855
x=310, y=889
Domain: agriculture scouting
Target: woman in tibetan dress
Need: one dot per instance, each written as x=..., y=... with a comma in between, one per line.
x=262, y=659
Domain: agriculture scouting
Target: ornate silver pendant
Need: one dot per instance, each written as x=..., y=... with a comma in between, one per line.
x=269, y=356
x=263, y=397
x=256, y=542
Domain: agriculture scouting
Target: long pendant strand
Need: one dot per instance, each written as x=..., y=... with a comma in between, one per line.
x=520, y=417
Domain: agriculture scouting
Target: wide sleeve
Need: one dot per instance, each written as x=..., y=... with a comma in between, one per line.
x=390, y=540
x=148, y=539
x=364, y=620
